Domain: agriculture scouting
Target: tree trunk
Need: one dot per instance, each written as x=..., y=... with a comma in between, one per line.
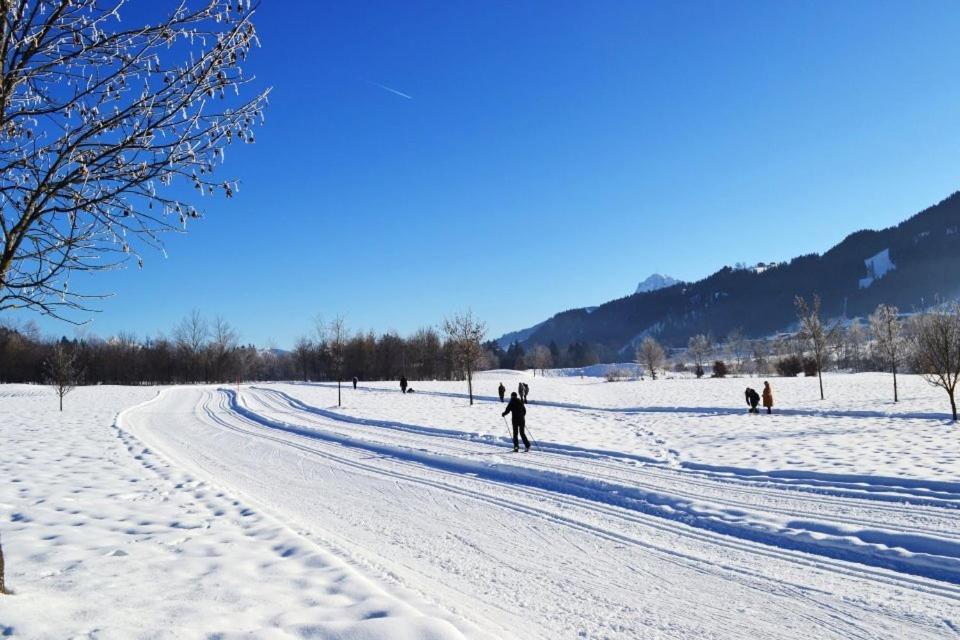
x=61, y=401
x=953, y=404
x=470, y=384
x=338, y=392
x=3, y=587
x=820, y=378
x=895, y=399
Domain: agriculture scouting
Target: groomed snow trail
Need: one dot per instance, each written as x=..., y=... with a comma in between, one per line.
x=570, y=541
x=105, y=540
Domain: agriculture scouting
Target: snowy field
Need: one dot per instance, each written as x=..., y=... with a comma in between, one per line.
x=648, y=509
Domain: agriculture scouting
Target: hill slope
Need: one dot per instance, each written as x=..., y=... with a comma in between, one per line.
x=907, y=265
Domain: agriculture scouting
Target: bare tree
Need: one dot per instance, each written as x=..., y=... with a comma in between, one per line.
x=98, y=121
x=223, y=345
x=936, y=349
x=191, y=337
x=737, y=346
x=815, y=333
x=854, y=339
x=760, y=356
x=699, y=348
x=426, y=351
x=888, y=339
x=650, y=354
x=465, y=334
x=539, y=358
x=337, y=339
x=62, y=372
x=303, y=351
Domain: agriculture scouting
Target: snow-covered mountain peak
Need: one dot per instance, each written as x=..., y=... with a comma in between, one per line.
x=656, y=281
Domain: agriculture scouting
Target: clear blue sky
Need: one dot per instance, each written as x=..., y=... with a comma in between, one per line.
x=551, y=155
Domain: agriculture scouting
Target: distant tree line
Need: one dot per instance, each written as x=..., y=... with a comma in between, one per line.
x=539, y=357
x=202, y=351
x=926, y=343
x=198, y=350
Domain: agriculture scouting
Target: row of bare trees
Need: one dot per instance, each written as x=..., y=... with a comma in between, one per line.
x=197, y=351
x=201, y=350
x=926, y=343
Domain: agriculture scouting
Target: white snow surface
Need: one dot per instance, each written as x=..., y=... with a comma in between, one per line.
x=647, y=509
x=654, y=282
x=103, y=538
x=877, y=267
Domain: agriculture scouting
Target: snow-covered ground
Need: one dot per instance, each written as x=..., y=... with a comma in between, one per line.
x=104, y=539
x=652, y=509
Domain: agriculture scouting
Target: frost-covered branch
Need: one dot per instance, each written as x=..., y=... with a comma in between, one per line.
x=98, y=121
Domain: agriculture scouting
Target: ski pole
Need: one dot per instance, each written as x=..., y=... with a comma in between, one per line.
x=509, y=433
x=532, y=441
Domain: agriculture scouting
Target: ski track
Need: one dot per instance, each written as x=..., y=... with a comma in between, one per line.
x=899, y=490
x=871, y=545
x=613, y=522
x=894, y=489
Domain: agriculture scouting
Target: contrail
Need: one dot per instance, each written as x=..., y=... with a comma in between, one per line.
x=393, y=91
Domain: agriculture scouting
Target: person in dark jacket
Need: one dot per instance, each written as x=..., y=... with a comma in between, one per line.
x=518, y=417
x=501, y=390
x=526, y=392
x=354, y=382
x=768, y=397
x=403, y=384
x=753, y=399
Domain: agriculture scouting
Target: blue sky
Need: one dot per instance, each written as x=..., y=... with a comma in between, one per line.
x=551, y=155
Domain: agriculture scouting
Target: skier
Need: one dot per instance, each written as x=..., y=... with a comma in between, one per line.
x=403, y=384
x=526, y=392
x=354, y=382
x=768, y=397
x=501, y=390
x=753, y=399
x=518, y=411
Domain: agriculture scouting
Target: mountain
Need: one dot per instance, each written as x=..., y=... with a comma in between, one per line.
x=656, y=282
x=909, y=265
x=520, y=335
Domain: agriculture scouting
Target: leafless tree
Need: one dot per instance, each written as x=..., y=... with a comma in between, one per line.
x=815, y=333
x=62, y=372
x=425, y=352
x=223, y=345
x=760, y=356
x=303, y=351
x=737, y=346
x=465, y=334
x=936, y=349
x=539, y=358
x=699, y=348
x=854, y=339
x=336, y=342
x=650, y=354
x=488, y=360
x=191, y=337
x=888, y=338
x=99, y=119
